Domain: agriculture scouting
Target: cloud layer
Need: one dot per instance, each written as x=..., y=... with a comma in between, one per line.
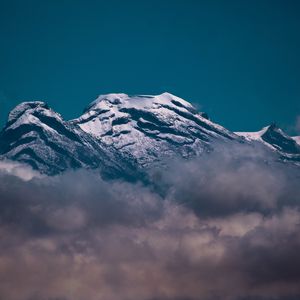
x=224, y=226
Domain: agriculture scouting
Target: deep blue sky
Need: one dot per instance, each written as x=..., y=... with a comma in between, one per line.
x=238, y=60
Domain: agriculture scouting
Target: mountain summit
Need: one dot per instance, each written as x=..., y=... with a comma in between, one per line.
x=149, y=127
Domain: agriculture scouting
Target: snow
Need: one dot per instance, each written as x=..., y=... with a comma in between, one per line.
x=23, y=107
x=27, y=118
x=25, y=113
x=297, y=139
x=172, y=118
x=253, y=136
x=137, y=101
x=258, y=136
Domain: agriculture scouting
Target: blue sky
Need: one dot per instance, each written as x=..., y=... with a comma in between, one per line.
x=237, y=60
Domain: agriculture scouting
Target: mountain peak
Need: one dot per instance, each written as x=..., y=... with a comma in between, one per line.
x=108, y=101
x=274, y=137
x=257, y=135
x=23, y=107
x=36, y=113
x=148, y=127
x=275, y=128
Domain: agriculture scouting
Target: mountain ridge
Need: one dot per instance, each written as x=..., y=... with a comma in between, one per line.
x=122, y=135
x=276, y=139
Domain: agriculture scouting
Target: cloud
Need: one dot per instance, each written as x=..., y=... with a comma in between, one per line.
x=241, y=178
x=224, y=226
x=20, y=170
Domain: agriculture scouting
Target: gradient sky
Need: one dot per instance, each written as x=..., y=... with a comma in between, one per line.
x=237, y=60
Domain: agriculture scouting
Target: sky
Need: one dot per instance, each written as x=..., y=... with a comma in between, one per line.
x=237, y=60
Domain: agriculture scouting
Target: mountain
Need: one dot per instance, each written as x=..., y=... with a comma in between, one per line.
x=276, y=139
x=36, y=135
x=151, y=127
x=123, y=135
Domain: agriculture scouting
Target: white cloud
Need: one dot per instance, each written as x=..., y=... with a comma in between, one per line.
x=22, y=171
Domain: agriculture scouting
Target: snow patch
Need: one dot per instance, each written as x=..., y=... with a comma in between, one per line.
x=297, y=139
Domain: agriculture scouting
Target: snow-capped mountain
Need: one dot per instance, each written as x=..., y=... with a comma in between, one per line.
x=123, y=135
x=276, y=139
x=150, y=127
x=36, y=135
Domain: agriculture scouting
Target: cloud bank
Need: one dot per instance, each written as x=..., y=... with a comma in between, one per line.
x=223, y=226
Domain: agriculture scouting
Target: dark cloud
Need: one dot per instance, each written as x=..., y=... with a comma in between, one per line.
x=226, y=228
